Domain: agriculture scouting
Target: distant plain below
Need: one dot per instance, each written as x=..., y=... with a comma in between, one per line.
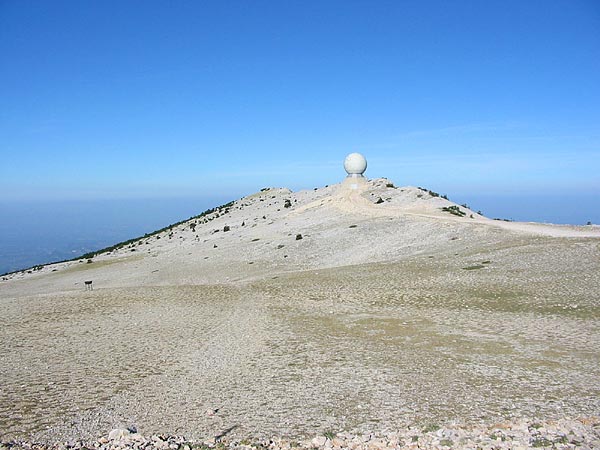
x=36, y=232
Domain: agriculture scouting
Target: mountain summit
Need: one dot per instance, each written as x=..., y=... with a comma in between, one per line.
x=276, y=230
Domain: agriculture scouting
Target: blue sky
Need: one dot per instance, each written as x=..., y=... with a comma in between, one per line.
x=125, y=99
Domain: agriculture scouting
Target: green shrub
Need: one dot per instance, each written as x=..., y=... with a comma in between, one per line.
x=431, y=428
x=455, y=210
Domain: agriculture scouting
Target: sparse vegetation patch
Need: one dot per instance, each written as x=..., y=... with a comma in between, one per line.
x=431, y=428
x=474, y=267
x=454, y=210
x=541, y=442
x=433, y=194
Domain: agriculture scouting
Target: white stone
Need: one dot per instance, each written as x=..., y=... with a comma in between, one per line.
x=319, y=441
x=118, y=433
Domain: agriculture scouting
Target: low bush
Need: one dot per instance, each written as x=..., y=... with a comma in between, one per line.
x=455, y=210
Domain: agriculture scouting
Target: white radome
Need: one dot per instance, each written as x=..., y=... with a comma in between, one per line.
x=355, y=164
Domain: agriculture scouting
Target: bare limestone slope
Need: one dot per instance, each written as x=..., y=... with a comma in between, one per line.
x=340, y=226
x=361, y=309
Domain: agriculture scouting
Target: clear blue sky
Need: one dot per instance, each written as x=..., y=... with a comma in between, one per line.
x=113, y=99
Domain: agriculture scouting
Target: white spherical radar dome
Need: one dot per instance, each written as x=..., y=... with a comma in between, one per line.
x=355, y=164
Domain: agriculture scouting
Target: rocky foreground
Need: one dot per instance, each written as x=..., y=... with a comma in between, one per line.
x=583, y=433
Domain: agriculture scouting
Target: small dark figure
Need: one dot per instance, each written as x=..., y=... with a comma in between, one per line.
x=88, y=286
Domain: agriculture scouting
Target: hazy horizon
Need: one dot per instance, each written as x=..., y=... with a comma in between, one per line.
x=39, y=232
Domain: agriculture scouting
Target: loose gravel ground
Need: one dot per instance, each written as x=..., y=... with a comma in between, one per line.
x=470, y=329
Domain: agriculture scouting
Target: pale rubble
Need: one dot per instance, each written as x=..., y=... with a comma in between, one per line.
x=582, y=433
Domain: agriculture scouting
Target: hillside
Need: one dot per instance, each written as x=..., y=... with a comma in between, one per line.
x=361, y=309
x=340, y=226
